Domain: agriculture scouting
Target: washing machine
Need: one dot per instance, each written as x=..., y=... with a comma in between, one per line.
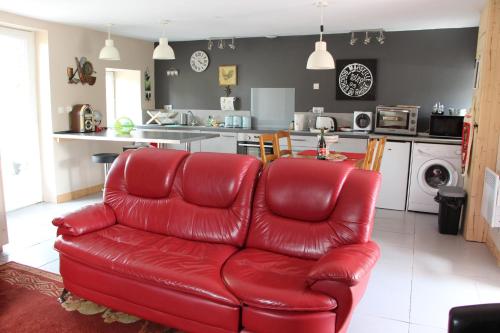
x=433, y=165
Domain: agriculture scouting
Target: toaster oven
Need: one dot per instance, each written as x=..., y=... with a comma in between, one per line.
x=401, y=119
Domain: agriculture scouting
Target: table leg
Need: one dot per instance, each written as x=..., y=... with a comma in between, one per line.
x=188, y=146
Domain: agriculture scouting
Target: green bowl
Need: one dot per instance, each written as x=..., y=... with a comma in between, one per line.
x=124, y=125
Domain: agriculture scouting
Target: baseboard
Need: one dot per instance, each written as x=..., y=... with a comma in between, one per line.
x=79, y=193
x=492, y=247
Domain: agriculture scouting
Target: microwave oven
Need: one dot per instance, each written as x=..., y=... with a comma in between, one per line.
x=449, y=126
x=401, y=119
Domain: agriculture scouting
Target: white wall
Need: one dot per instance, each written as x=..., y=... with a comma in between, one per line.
x=67, y=165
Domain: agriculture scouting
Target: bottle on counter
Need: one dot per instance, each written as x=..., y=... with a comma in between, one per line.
x=322, y=151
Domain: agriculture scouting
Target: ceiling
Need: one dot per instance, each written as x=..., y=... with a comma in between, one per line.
x=200, y=19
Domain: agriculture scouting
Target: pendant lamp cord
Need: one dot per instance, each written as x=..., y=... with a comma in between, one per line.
x=321, y=26
x=109, y=31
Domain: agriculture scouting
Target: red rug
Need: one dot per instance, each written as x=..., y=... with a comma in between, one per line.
x=28, y=303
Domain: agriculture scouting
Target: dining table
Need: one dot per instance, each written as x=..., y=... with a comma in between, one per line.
x=355, y=159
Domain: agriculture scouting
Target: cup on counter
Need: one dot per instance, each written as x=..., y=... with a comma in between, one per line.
x=246, y=122
x=168, y=107
x=237, y=121
x=228, y=121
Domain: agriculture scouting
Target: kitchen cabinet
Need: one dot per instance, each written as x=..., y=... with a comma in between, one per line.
x=306, y=142
x=350, y=145
x=225, y=143
x=394, y=170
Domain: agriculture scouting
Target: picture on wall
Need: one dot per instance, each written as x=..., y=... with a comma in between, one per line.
x=356, y=79
x=227, y=75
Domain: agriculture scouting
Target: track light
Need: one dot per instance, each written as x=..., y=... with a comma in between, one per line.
x=381, y=37
x=210, y=44
x=353, y=39
x=367, y=39
x=378, y=34
x=221, y=44
x=231, y=45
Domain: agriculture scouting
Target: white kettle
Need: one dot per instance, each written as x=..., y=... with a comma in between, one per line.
x=327, y=123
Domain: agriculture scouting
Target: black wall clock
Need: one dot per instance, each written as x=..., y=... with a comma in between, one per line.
x=356, y=79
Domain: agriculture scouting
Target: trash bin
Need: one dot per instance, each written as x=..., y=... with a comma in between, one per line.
x=451, y=200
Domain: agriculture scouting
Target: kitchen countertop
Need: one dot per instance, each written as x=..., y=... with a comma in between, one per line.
x=421, y=137
x=138, y=135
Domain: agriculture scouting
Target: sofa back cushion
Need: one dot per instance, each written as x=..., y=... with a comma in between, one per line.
x=202, y=196
x=212, y=197
x=304, y=207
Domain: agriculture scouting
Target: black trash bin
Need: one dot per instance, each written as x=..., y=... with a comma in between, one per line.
x=451, y=200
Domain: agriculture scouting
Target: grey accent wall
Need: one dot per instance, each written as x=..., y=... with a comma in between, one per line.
x=414, y=67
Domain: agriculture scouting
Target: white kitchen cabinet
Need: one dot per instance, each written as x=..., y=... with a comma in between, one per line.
x=306, y=142
x=350, y=145
x=394, y=170
x=225, y=143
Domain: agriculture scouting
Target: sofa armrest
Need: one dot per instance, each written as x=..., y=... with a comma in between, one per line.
x=88, y=219
x=348, y=264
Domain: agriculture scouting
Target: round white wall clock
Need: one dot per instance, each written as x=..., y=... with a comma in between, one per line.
x=199, y=61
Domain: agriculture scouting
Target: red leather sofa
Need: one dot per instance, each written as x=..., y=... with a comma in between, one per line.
x=209, y=242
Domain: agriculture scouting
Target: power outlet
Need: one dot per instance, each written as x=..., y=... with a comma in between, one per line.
x=315, y=86
x=318, y=109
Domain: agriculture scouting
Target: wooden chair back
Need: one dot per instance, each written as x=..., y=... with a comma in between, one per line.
x=263, y=139
x=374, y=154
x=277, y=149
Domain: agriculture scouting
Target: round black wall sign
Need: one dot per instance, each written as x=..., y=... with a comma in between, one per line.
x=356, y=79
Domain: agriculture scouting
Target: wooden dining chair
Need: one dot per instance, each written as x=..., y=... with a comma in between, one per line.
x=374, y=154
x=263, y=139
x=277, y=147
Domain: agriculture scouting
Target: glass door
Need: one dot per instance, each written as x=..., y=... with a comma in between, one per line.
x=19, y=134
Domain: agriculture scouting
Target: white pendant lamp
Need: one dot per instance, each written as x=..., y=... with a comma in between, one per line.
x=320, y=59
x=163, y=51
x=109, y=51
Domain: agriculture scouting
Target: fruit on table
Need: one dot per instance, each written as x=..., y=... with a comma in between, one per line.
x=124, y=125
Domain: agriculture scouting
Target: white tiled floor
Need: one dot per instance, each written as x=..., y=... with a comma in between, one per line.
x=419, y=277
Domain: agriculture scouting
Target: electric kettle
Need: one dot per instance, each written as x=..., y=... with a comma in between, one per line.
x=327, y=123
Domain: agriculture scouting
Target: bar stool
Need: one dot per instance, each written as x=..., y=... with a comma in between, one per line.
x=106, y=159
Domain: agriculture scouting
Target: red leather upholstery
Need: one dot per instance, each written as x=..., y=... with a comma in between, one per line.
x=210, y=199
x=347, y=264
x=346, y=206
x=185, y=266
x=272, y=281
x=270, y=321
x=88, y=219
x=178, y=241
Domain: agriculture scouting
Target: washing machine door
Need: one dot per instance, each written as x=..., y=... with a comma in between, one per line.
x=435, y=173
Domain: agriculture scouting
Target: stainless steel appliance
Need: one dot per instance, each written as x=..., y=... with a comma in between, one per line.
x=248, y=144
x=327, y=123
x=400, y=119
x=362, y=121
x=82, y=118
x=448, y=126
x=300, y=122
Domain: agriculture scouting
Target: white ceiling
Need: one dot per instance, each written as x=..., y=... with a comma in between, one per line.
x=200, y=19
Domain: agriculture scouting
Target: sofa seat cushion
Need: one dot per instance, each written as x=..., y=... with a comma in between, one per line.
x=186, y=266
x=268, y=280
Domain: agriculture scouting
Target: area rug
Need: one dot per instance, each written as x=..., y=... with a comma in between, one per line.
x=28, y=303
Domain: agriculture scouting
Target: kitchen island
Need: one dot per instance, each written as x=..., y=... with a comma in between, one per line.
x=162, y=138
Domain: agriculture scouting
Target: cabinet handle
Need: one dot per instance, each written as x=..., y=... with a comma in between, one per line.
x=227, y=136
x=299, y=140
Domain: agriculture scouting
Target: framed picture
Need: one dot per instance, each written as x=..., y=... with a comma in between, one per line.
x=356, y=79
x=228, y=75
